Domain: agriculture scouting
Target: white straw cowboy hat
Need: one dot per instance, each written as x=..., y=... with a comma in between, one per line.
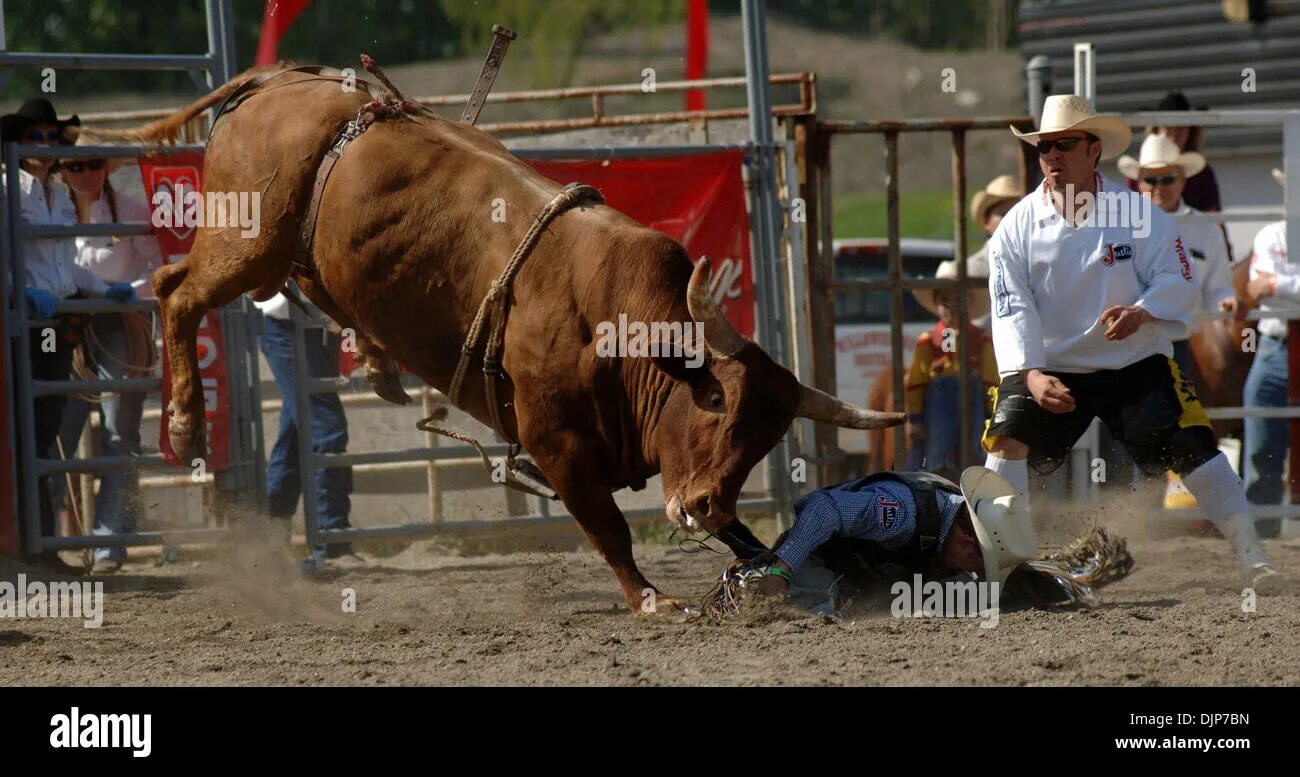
x=1001, y=189
x=1279, y=176
x=1002, y=524
x=1063, y=112
x=977, y=266
x=1160, y=151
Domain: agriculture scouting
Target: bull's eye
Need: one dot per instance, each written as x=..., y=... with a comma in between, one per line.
x=717, y=402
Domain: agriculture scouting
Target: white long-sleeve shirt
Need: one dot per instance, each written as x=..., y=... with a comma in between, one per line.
x=1211, y=266
x=1050, y=282
x=52, y=261
x=129, y=259
x=1270, y=256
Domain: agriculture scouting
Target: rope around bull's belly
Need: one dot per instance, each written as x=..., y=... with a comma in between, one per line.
x=493, y=312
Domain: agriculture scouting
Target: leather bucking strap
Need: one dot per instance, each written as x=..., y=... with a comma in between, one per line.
x=302, y=262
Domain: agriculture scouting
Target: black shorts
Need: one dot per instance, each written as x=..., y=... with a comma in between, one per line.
x=1148, y=406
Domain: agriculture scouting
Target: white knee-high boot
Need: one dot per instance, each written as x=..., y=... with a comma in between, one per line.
x=1219, y=492
x=1016, y=471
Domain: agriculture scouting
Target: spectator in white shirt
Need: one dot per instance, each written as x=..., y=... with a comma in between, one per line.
x=1161, y=172
x=1275, y=282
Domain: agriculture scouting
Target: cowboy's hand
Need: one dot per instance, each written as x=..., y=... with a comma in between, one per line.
x=1049, y=392
x=42, y=300
x=774, y=585
x=1230, y=305
x=1262, y=286
x=120, y=292
x=1123, y=320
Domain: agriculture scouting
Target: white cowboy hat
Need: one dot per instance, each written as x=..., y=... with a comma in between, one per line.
x=977, y=266
x=1000, y=189
x=1279, y=176
x=1160, y=151
x=1002, y=524
x=1062, y=112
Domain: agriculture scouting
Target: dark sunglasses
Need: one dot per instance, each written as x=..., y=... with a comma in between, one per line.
x=92, y=165
x=1065, y=144
x=1164, y=180
x=36, y=136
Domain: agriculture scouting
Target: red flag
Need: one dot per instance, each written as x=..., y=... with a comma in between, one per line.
x=697, y=49
x=275, y=23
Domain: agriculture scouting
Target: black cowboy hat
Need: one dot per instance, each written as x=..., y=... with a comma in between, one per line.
x=35, y=111
x=1177, y=101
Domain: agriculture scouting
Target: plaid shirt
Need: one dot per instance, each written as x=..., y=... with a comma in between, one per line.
x=884, y=512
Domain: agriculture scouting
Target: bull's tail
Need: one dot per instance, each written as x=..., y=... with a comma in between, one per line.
x=166, y=129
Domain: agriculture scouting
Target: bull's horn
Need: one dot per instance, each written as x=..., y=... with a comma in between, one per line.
x=720, y=335
x=820, y=406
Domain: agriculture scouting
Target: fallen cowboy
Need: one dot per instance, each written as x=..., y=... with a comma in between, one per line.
x=939, y=548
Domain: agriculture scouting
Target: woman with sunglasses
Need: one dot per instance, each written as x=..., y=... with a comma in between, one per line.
x=116, y=345
x=52, y=275
x=1161, y=172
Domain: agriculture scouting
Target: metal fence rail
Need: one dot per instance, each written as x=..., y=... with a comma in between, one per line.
x=209, y=70
x=895, y=283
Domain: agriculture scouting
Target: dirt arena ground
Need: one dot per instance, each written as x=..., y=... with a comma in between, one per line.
x=429, y=615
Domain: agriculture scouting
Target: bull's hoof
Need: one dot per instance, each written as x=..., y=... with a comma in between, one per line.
x=185, y=436
x=661, y=604
x=388, y=385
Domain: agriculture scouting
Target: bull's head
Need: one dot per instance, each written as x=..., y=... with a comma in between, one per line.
x=727, y=411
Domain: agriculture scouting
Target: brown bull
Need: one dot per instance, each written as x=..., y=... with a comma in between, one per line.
x=406, y=248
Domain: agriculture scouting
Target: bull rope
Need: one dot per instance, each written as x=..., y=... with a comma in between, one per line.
x=494, y=310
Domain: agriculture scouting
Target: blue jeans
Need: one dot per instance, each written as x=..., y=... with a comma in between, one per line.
x=1266, y=438
x=118, y=505
x=939, y=453
x=329, y=432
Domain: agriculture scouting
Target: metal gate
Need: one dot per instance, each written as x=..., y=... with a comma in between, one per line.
x=244, y=478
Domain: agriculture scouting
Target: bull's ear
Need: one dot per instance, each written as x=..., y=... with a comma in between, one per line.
x=687, y=365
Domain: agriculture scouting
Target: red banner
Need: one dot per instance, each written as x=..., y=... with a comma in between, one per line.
x=699, y=200
x=172, y=177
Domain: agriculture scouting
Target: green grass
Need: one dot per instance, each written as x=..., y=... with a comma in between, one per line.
x=926, y=213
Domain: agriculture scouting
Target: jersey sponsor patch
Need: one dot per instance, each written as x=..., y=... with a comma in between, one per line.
x=1121, y=252
x=1182, y=259
x=1000, y=286
x=888, y=512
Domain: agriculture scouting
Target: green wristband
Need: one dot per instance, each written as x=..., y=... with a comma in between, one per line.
x=781, y=573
